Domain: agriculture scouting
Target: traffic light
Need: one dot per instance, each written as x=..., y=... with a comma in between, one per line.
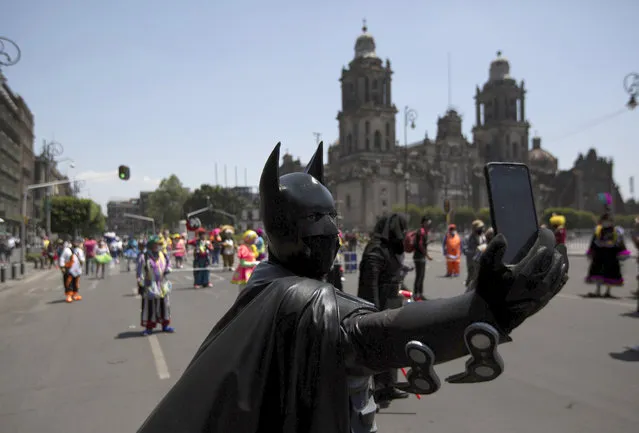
x=446, y=206
x=124, y=172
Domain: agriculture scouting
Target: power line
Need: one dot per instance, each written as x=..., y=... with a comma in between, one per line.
x=591, y=124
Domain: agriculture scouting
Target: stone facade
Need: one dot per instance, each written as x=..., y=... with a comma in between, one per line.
x=16, y=156
x=369, y=173
x=117, y=222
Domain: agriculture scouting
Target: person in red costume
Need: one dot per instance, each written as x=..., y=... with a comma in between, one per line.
x=558, y=224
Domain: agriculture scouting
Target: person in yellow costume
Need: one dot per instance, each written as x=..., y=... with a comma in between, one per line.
x=558, y=224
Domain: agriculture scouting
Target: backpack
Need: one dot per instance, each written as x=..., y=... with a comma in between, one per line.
x=409, y=241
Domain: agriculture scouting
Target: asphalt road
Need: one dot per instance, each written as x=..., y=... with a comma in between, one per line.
x=83, y=367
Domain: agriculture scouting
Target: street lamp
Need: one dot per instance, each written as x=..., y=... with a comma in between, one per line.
x=631, y=84
x=410, y=116
x=7, y=45
x=50, y=151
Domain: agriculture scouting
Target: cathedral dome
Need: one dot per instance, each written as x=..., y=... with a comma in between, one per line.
x=541, y=158
x=365, y=45
x=499, y=68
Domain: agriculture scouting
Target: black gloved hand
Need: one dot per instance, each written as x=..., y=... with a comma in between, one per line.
x=516, y=292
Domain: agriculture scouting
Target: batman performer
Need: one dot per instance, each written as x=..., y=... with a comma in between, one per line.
x=290, y=353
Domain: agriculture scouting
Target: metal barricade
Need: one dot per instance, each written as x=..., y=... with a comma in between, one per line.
x=349, y=261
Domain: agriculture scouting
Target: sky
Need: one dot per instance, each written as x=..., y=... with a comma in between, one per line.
x=180, y=87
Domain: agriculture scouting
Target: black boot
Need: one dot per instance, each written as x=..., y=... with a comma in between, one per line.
x=389, y=394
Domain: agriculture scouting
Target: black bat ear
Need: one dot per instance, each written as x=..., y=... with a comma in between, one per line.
x=315, y=166
x=270, y=179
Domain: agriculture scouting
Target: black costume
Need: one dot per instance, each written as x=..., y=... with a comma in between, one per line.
x=379, y=275
x=420, y=255
x=283, y=357
x=379, y=280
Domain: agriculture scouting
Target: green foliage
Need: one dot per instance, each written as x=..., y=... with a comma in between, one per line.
x=34, y=257
x=166, y=203
x=463, y=217
x=71, y=215
x=484, y=215
x=575, y=219
x=626, y=221
x=221, y=199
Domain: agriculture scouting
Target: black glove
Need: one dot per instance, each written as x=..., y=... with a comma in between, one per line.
x=516, y=292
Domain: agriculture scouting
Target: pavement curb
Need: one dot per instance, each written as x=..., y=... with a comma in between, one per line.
x=26, y=278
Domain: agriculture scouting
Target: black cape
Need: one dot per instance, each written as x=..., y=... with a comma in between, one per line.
x=272, y=364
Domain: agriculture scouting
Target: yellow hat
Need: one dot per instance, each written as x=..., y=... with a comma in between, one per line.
x=250, y=235
x=557, y=220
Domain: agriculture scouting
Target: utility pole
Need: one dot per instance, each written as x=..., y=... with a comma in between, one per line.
x=318, y=137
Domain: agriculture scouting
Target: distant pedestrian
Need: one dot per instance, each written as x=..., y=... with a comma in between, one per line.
x=607, y=249
x=71, y=263
x=420, y=255
x=471, y=246
x=152, y=269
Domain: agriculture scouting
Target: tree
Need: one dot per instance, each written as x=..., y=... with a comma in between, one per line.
x=167, y=201
x=484, y=215
x=463, y=217
x=71, y=215
x=223, y=199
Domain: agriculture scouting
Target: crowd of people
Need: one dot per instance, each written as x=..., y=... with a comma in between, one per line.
x=301, y=322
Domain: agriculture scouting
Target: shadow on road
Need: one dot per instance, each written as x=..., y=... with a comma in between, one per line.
x=190, y=288
x=57, y=301
x=128, y=334
x=629, y=355
x=634, y=314
x=592, y=296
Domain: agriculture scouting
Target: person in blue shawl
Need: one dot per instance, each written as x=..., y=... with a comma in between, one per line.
x=260, y=245
x=131, y=253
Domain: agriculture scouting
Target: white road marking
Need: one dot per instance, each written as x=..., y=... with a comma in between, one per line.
x=188, y=277
x=217, y=277
x=600, y=301
x=158, y=356
x=93, y=285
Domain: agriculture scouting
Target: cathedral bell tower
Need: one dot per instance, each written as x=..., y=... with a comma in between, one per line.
x=501, y=129
x=362, y=165
x=367, y=118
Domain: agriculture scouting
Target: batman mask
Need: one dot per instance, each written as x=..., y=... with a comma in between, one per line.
x=299, y=216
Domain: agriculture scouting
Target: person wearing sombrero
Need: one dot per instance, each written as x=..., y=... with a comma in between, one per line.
x=472, y=245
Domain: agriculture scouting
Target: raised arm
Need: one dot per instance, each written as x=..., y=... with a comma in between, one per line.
x=503, y=298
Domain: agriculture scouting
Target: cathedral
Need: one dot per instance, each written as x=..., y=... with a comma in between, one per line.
x=369, y=173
